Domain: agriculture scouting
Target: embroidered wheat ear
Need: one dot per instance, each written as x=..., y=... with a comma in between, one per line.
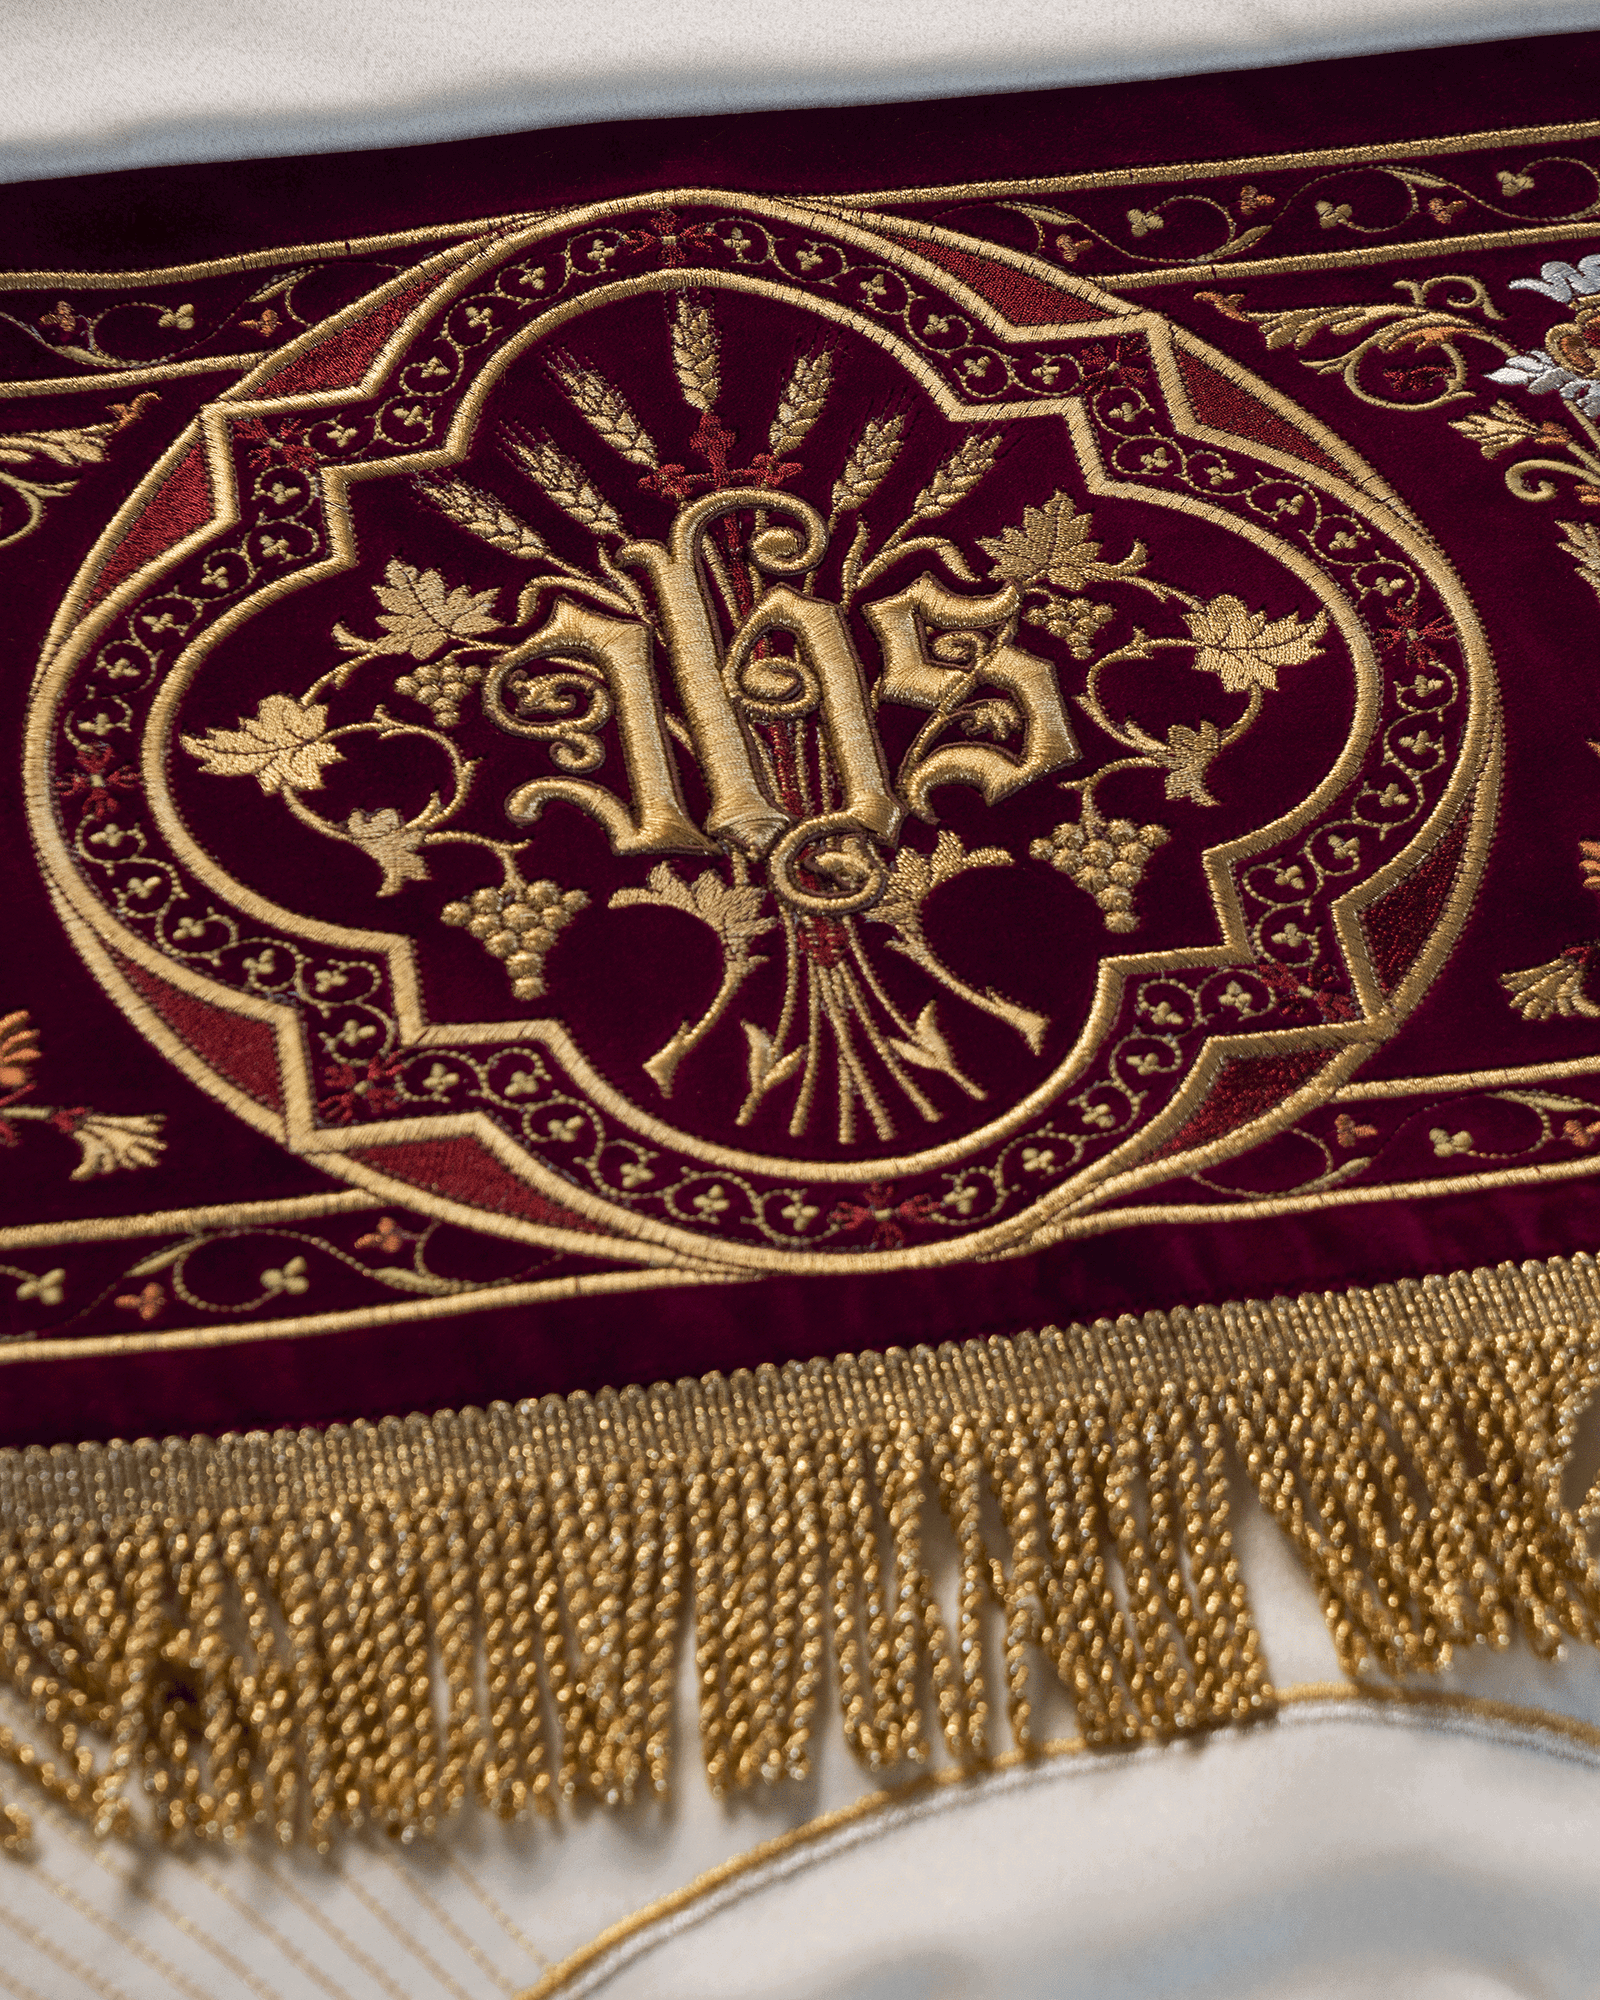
x=868, y=464
x=695, y=355
x=606, y=408
x=802, y=402
x=955, y=479
x=482, y=515
x=567, y=484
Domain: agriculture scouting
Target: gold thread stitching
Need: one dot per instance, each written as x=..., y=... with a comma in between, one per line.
x=1348, y=925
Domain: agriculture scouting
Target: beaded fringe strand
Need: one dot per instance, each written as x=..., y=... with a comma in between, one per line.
x=375, y=1623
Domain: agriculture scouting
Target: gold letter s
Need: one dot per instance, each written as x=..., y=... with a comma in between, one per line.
x=910, y=676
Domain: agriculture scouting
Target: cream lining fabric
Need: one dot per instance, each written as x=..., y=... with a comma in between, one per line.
x=93, y=85
x=1310, y=1866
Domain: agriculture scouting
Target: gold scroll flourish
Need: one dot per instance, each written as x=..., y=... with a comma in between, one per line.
x=376, y=1624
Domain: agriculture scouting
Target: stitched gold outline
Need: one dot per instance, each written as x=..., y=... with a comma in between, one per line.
x=340, y=250
x=361, y=1319
x=256, y=260
x=558, y=1981
x=1260, y=163
x=299, y=1208
x=182, y=1221
x=379, y=1187
x=544, y=1291
x=1335, y=260
x=456, y=269
x=904, y=228
x=125, y=378
x=1471, y=1079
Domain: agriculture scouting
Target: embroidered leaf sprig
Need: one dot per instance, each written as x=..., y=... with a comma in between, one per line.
x=392, y=843
x=1581, y=540
x=1537, y=992
x=108, y=1141
x=420, y=616
x=914, y=877
x=1055, y=544
x=1503, y=427
x=282, y=746
x=1244, y=648
x=80, y=447
x=733, y=912
x=1300, y=325
x=1187, y=757
x=19, y=1051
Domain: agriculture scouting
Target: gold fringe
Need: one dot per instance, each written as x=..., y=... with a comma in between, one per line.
x=315, y=1630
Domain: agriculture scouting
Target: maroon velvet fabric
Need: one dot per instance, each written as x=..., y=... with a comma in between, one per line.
x=177, y=213
x=1041, y=943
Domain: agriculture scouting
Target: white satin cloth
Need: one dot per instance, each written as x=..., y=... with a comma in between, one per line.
x=91, y=85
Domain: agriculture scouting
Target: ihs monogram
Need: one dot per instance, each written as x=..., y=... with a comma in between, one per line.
x=715, y=644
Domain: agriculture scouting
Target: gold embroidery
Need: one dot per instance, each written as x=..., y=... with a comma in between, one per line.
x=1429, y=337
x=290, y=265
x=1539, y=991
x=1106, y=858
x=518, y=923
x=1206, y=198
x=41, y=466
x=1425, y=334
x=1229, y=169
x=1566, y=364
x=190, y=1228
x=182, y=1221
x=107, y=1141
x=819, y=811
x=723, y=1199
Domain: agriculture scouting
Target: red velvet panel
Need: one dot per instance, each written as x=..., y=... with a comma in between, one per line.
x=707, y=780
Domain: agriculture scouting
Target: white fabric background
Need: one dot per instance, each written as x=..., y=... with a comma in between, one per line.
x=96, y=84
x=1308, y=1864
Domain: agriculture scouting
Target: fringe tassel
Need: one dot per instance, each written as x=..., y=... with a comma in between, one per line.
x=373, y=1624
